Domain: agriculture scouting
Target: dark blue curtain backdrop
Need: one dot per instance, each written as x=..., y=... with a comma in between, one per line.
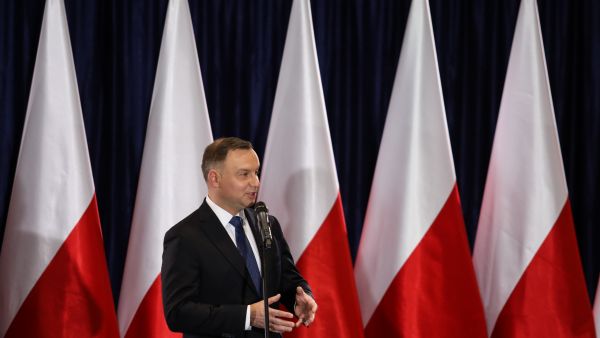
x=240, y=44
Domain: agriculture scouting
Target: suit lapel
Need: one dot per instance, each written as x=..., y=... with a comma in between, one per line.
x=216, y=233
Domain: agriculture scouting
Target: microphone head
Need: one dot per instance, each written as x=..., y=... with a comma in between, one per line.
x=260, y=207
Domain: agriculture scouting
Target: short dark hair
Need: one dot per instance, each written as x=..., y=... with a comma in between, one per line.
x=216, y=152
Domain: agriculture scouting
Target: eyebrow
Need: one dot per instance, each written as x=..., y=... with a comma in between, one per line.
x=247, y=170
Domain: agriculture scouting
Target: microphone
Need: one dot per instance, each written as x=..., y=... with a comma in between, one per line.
x=262, y=216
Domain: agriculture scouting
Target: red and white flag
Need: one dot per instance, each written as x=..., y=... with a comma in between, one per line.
x=526, y=256
x=53, y=275
x=171, y=185
x=413, y=269
x=597, y=310
x=300, y=185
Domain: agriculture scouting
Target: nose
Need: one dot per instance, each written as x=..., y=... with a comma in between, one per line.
x=255, y=181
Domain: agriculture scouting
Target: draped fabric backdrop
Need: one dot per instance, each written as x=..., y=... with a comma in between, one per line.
x=240, y=45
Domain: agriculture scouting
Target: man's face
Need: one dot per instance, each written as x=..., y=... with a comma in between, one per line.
x=237, y=181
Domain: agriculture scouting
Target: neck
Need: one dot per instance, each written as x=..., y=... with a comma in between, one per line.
x=214, y=197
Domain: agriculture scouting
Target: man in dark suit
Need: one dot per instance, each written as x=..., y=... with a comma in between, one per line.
x=210, y=272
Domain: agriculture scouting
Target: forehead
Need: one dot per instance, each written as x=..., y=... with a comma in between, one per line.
x=242, y=159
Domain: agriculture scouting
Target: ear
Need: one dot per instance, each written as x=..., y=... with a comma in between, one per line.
x=213, y=178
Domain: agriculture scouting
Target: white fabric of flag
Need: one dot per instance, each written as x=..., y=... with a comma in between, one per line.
x=171, y=185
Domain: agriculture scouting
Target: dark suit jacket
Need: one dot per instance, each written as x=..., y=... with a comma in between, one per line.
x=206, y=286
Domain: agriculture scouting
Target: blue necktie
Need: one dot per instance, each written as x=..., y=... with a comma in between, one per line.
x=245, y=250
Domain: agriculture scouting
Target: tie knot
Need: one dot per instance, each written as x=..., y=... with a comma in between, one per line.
x=237, y=222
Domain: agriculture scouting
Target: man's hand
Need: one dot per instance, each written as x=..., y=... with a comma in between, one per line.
x=305, y=308
x=276, y=323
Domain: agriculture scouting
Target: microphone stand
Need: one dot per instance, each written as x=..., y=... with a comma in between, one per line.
x=266, y=245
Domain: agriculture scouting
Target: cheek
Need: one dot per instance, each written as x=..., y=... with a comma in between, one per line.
x=241, y=187
x=231, y=188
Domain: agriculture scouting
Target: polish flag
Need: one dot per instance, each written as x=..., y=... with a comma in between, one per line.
x=301, y=188
x=526, y=257
x=53, y=275
x=597, y=310
x=413, y=269
x=171, y=185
